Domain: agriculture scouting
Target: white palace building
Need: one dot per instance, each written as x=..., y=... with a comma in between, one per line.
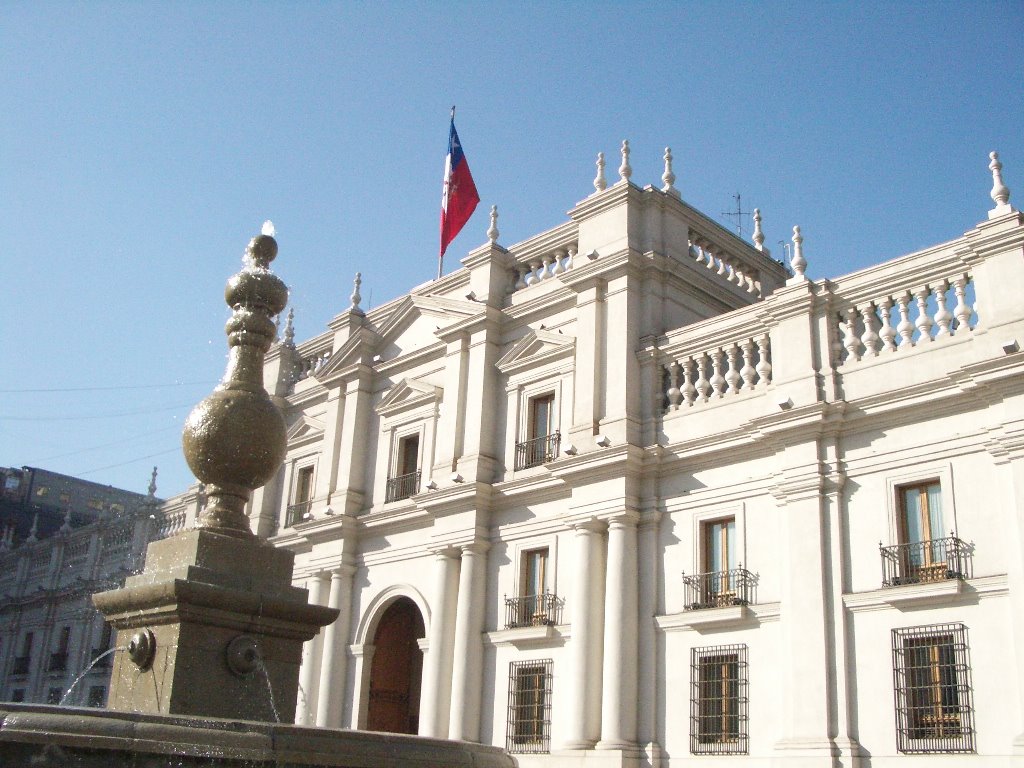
x=633, y=493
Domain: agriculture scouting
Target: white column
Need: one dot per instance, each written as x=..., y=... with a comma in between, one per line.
x=335, y=654
x=618, y=705
x=305, y=705
x=362, y=653
x=467, y=675
x=584, y=719
x=647, y=647
x=435, y=699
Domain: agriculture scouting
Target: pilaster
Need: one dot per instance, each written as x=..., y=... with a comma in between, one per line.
x=305, y=709
x=467, y=675
x=435, y=699
x=334, y=666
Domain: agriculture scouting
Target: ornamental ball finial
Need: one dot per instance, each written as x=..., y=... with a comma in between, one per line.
x=600, y=183
x=668, y=178
x=625, y=170
x=492, y=231
x=798, y=261
x=1000, y=192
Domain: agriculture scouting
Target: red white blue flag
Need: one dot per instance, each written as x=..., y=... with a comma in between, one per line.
x=459, y=197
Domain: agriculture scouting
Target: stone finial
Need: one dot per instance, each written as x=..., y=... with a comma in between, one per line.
x=600, y=183
x=289, y=329
x=32, y=534
x=1000, y=192
x=234, y=440
x=669, y=178
x=268, y=229
x=152, y=484
x=66, y=527
x=492, y=231
x=798, y=262
x=758, y=234
x=625, y=170
x=356, y=296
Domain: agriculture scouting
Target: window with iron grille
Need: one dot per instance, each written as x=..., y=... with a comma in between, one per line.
x=932, y=682
x=529, y=707
x=718, y=700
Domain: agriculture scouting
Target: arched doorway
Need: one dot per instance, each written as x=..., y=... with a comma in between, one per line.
x=396, y=670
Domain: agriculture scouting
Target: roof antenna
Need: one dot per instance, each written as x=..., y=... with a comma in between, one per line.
x=738, y=214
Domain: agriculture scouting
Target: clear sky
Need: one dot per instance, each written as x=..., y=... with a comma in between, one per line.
x=142, y=145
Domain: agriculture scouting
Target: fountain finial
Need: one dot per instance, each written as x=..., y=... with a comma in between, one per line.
x=234, y=440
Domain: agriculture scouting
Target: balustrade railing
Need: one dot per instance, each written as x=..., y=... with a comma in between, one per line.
x=533, y=610
x=718, y=589
x=536, y=269
x=533, y=453
x=296, y=513
x=730, y=369
x=903, y=319
x=729, y=268
x=925, y=561
x=402, y=487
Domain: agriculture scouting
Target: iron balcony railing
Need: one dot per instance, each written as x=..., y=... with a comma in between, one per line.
x=718, y=589
x=58, y=662
x=402, y=487
x=533, y=610
x=921, y=562
x=533, y=453
x=21, y=665
x=296, y=513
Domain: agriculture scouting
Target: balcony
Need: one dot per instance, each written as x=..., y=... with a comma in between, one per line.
x=533, y=611
x=58, y=662
x=296, y=513
x=719, y=589
x=402, y=487
x=925, y=562
x=533, y=453
x=21, y=665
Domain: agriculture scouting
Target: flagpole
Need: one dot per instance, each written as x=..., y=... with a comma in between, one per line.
x=440, y=254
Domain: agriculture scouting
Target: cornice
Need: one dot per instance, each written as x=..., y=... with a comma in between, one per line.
x=487, y=319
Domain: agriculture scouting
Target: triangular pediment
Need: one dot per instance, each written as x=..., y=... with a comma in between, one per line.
x=535, y=348
x=407, y=394
x=439, y=310
x=305, y=429
x=359, y=348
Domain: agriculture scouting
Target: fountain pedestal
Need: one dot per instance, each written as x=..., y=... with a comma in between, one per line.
x=227, y=629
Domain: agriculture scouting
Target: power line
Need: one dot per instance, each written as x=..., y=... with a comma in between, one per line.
x=105, y=445
x=130, y=461
x=144, y=411
x=104, y=389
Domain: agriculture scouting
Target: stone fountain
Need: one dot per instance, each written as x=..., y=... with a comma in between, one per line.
x=211, y=631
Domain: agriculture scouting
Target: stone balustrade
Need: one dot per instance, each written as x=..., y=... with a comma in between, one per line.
x=729, y=267
x=536, y=268
x=707, y=362
x=902, y=317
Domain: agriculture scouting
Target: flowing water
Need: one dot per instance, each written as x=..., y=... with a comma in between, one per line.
x=95, y=661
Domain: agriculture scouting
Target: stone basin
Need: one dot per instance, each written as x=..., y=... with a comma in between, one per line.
x=41, y=736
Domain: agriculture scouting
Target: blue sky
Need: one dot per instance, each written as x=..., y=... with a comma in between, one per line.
x=142, y=144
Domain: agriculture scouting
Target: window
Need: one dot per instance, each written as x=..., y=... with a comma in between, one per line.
x=529, y=707
x=59, y=658
x=722, y=583
x=18, y=694
x=54, y=695
x=97, y=696
x=718, y=700
x=924, y=553
x=298, y=510
x=23, y=662
x=407, y=461
x=542, y=438
x=931, y=676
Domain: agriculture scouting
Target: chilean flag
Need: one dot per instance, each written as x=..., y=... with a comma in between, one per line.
x=459, y=197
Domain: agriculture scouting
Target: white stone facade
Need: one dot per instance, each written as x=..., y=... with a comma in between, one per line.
x=697, y=411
